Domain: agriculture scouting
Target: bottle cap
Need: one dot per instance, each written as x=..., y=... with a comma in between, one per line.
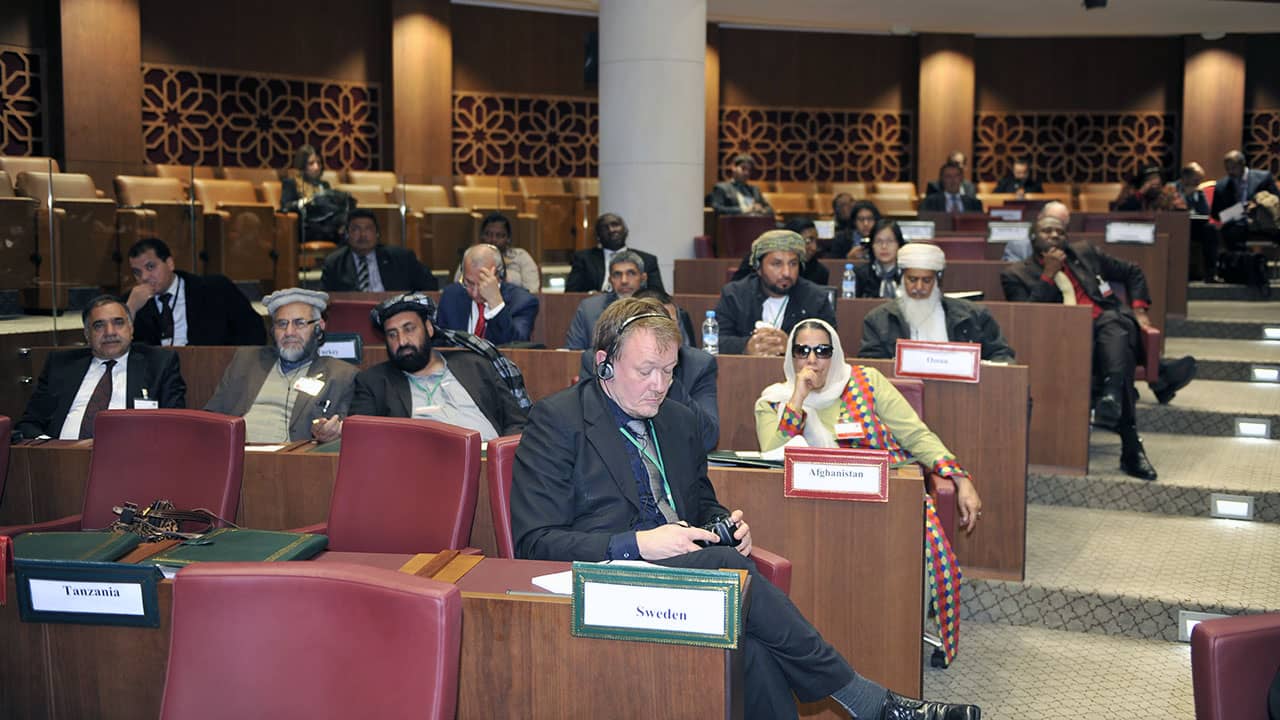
x=711, y=313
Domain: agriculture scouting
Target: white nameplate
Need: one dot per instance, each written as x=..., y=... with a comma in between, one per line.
x=1005, y=232
x=836, y=474
x=913, y=230
x=636, y=607
x=1131, y=232
x=826, y=229
x=1008, y=214
x=140, y=404
x=341, y=349
x=97, y=598
x=1232, y=213
x=937, y=360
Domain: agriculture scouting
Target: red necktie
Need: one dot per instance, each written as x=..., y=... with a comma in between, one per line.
x=100, y=400
x=479, y=319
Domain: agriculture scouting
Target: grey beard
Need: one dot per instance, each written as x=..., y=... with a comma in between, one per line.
x=918, y=312
x=308, y=349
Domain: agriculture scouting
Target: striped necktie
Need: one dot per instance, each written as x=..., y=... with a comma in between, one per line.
x=656, y=485
x=100, y=400
x=362, y=273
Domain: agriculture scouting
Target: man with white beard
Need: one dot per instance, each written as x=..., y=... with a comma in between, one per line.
x=921, y=312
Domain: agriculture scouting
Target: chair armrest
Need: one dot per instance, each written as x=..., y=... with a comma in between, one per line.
x=69, y=523
x=943, y=491
x=314, y=529
x=1151, y=345
x=1233, y=661
x=470, y=551
x=703, y=247
x=774, y=567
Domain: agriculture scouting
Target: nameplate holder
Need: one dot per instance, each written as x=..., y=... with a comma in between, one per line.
x=915, y=230
x=952, y=361
x=87, y=593
x=1006, y=214
x=1132, y=233
x=1007, y=232
x=676, y=606
x=851, y=475
x=343, y=346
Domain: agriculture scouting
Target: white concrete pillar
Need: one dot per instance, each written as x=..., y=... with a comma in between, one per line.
x=652, y=98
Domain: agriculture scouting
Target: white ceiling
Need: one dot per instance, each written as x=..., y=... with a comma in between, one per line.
x=1014, y=18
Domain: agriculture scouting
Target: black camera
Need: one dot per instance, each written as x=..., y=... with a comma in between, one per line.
x=723, y=528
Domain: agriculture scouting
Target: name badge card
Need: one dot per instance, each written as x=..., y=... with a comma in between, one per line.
x=87, y=593
x=651, y=603
x=955, y=361
x=309, y=385
x=836, y=474
x=1006, y=232
x=913, y=230
x=142, y=404
x=1131, y=232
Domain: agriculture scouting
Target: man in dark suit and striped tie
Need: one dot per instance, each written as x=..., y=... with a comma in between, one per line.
x=365, y=265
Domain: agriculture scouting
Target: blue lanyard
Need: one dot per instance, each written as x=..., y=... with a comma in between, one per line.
x=657, y=462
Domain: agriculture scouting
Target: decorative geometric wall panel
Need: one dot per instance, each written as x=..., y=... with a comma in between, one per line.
x=833, y=145
x=22, y=102
x=195, y=116
x=530, y=135
x=1074, y=147
x=1262, y=139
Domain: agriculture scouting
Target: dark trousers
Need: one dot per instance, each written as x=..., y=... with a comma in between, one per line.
x=1116, y=347
x=1206, y=236
x=783, y=653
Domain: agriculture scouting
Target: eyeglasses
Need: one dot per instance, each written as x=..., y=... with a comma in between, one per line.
x=298, y=324
x=823, y=351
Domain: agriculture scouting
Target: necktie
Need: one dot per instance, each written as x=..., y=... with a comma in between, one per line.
x=1063, y=284
x=479, y=320
x=98, y=401
x=641, y=432
x=166, y=317
x=362, y=273
x=953, y=203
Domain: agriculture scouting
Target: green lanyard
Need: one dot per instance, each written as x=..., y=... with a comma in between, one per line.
x=431, y=392
x=657, y=462
x=781, y=309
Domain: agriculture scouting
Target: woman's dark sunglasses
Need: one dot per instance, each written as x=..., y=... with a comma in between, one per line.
x=823, y=351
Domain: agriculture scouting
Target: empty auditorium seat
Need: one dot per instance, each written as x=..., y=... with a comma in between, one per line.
x=85, y=248
x=789, y=202
x=158, y=207
x=803, y=187
x=858, y=190
x=417, y=198
x=542, y=186
x=896, y=188
x=257, y=176
x=384, y=179
x=586, y=187
x=18, y=242
x=11, y=165
x=374, y=199
x=894, y=205
x=240, y=233
x=183, y=173
x=1233, y=663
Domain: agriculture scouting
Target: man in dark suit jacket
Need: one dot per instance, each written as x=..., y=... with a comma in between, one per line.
x=952, y=198
x=1237, y=187
x=63, y=404
x=608, y=470
x=587, y=267
x=384, y=268
x=177, y=308
x=738, y=196
x=501, y=312
x=756, y=313
x=460, y=388
x=1019, y=180
x=1078, y=274
x=966, y=186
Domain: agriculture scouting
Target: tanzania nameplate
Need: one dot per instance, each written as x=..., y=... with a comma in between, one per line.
x=87, y=593
x=657, y=604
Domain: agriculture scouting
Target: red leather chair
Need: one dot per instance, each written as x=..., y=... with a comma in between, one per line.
x=403, y=486
x=191, y=458
x=352, y=316
x=6, y=427
x=1233, y=663
x=942, y=489
x=311, y=640
x=500, y=459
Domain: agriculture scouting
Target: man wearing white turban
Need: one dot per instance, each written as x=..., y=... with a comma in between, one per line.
x=921, y=312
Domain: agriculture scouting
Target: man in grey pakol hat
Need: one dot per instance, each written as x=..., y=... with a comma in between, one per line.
x=286, y=391
x=756, y=313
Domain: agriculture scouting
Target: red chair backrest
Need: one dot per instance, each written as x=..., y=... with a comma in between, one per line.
x=913, y=391
x=191, y=458
x=6, y=427
x=311, y=640
x=404, y=486
x=499, y=459
x=352, y=316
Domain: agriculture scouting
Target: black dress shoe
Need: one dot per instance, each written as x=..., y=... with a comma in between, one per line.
x=897, y=707
x=1173, y=377
x=1134, y=462
x=1106, y=412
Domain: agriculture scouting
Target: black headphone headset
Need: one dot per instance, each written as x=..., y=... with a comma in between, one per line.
x=604, y=369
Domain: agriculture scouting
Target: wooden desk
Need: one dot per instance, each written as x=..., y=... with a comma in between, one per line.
x=1166, y=263
x=518, y=660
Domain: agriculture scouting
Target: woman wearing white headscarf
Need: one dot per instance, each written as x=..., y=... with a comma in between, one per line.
x=835, y=404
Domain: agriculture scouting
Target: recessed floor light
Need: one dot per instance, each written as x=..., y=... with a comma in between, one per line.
x=1253, y=427
x=1232, y=507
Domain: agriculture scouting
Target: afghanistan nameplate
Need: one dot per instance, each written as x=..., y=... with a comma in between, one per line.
x=1133, y=233
x=855, y=475
x=954, y=361
x=678, y=606
x=87, y=593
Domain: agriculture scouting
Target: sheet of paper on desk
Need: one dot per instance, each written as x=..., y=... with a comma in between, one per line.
x=778, y=452
x=263, y=448
x=1231, y=213
x=561, y=583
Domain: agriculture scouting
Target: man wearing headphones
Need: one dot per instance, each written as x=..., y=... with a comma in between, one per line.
x=608, y=470
x=418, y=381
x=484, y=303
x=286, y=391
x=757, y=312
x=922, y=313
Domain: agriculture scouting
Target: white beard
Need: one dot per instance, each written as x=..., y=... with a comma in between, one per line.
x=924, y=316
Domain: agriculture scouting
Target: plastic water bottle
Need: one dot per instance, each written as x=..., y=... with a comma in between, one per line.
x=711, y=333
x=849, y=286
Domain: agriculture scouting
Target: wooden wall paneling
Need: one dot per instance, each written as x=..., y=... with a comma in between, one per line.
x=944, y=117
x=1262, y=84
x=711, y=67
x=1213, y=100
x=25, y=24
x=500, y=50
x=422, y=90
